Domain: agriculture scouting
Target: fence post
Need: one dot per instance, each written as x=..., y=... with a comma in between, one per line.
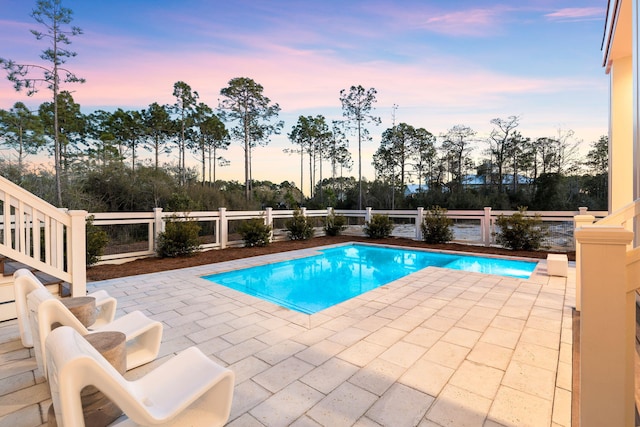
x=419, y=219
x=367, y=215
x=578, y=222
x=607, y=329
x=223, y=227
x=486, y=227
x=269, y=220
x=77, y=252
x=158, y=227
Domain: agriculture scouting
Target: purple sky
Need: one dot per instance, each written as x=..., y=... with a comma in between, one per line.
x=443, y=63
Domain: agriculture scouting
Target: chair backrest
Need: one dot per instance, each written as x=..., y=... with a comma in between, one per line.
x=44, y=312
x=73, y=364
x=24, y=282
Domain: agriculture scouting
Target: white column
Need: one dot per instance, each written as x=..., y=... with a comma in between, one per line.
x=621, y=133
x=269, y=220
x=607, y=329
x=158, y=227
x=77, y=253
x=486, y=227
x=419, y=220
x=578, y=222
x=223, y=228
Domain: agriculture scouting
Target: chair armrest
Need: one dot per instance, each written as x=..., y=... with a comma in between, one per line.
x=176, y=384
x=106, y=306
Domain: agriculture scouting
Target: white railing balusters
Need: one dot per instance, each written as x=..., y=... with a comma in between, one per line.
x=32, y=227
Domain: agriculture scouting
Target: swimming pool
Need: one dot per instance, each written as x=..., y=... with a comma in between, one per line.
x=334, y=275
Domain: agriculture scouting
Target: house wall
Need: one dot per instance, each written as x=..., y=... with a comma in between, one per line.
x=621, y=147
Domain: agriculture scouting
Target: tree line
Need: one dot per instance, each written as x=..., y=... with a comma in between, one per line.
x=98, y=166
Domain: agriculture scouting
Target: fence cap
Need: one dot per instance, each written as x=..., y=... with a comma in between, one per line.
x=604, y=234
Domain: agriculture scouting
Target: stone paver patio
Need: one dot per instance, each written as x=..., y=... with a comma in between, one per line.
x=436, y=348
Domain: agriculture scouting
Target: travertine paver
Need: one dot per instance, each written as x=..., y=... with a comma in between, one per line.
x=516, y=408
x=377, y=376
x=458, y=407
x=436, y=348
x=400, y=406
x=343, y=406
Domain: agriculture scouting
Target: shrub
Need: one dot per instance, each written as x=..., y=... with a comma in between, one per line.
x=520, y=231
x=334, y=224
x=180, y=237
x=379, y=227
x=436, y=227
x=255, y=232
x=97, y=240
x=299, y=227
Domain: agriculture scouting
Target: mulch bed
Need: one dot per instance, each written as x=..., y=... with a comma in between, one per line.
x=152, y=265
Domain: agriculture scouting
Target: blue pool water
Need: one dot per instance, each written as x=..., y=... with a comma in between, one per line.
x=311, y=284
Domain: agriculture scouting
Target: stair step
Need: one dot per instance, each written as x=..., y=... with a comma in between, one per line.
x=9, y=267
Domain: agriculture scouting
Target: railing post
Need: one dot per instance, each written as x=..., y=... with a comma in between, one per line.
x=158, y=227
x=419, y=220
x=607, y=329
x=269, y=220
x=486, y=227
x=578, y=222
x=223, y=228
x=77, y=253
x=368, y=214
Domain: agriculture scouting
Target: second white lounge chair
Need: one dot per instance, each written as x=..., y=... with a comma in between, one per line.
x=26, y=282
x=188, y=390
x=143, y=335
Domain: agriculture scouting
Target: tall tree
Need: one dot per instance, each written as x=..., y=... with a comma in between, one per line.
x=159, y=129
x=401, y=141
x=55, y=19
x=104, y=150
x=301, y=135
x=184, y=107
x=128, y=128
x=457, y=146
x=71, y=128
x=567, y=152
x=385, y=163
x=245, y=103
x=519, y=156
x=426, y=162
x=21, y=130
x=597, y=161
x=501, y=144
x=357, y=105
x=212, y=136
x=312, y=135
x=598, y=157
x=338, y=152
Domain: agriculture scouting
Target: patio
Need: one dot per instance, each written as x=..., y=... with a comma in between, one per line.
x=436, y=348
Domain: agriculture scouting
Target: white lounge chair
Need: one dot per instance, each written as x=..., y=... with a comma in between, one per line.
x=143, y=335
x=188, y=390
x=26, y=282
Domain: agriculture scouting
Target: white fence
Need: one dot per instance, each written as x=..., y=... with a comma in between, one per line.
x=134, y=235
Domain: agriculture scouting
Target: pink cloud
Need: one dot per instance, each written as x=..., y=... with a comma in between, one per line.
x=474, y=22
x=577, y=14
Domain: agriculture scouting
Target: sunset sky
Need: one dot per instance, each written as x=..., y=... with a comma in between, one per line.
x=442, y=62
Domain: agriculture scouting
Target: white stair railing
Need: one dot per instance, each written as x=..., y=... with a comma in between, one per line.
x=48, y=239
